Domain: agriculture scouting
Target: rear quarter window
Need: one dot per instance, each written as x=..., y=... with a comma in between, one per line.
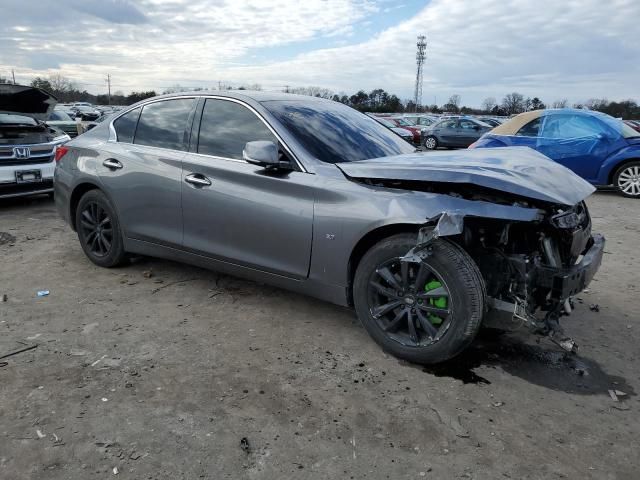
x=125, y=126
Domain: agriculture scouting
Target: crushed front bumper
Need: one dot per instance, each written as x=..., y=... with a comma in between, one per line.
x=560, y=283
x=567, y=282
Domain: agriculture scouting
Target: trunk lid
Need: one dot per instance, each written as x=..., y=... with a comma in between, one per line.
x=516, y=170
x=24, y=100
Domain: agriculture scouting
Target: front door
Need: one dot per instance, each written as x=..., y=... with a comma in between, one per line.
x=238, y=212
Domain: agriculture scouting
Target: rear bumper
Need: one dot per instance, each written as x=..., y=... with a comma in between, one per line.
x=9, y=187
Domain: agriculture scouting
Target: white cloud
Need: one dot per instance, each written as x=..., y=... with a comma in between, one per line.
x=575, y=49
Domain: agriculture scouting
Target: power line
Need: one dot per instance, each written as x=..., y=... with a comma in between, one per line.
x=420, y=57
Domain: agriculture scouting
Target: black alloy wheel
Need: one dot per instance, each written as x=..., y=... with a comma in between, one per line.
x=410, y=302
x=97, y=229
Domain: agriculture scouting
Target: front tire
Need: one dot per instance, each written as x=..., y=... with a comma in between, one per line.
x=99, y=230
x=425, y=312
x=627, y=180
x=430, y=142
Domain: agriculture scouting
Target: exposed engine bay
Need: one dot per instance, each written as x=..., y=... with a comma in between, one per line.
x=532, y=270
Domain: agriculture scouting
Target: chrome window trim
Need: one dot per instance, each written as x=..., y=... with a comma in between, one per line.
x=113, y=136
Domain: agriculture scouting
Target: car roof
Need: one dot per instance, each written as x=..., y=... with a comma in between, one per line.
x=256, y=95
x=511, y=126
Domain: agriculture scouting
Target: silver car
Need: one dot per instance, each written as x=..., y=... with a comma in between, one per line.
x=313, y=196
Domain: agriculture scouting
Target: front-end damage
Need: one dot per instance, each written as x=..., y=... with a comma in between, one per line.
x=532, y=269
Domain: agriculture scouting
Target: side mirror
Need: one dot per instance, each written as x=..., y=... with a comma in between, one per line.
x=263, y=153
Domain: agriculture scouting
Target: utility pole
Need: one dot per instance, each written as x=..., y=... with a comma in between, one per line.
x=219, y=85
x=286, y=89
x=13, y=74
x=109, y=88
x=420, y=57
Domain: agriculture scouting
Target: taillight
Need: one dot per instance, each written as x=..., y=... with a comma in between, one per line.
x=61, y=152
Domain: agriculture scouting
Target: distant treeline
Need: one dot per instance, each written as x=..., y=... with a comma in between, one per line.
x=377, y=100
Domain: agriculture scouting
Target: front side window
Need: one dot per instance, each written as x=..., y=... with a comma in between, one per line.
x=227, y=126
x=570, y=126
x=467, y=124
x=163, y=124
x=125, y=126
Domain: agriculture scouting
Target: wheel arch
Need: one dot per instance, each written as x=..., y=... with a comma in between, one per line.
x=78, y=191
x=618, y=166
x=369, y=240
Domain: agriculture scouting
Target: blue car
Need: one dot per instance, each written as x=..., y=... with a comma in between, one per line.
x=599, y=148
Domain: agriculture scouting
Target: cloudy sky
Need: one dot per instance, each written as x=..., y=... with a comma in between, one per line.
x=575, y=49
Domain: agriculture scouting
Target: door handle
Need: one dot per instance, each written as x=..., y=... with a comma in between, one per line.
x=198, y=180
x=112, y=164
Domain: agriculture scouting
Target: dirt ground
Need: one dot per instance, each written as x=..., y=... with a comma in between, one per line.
x=161, y=376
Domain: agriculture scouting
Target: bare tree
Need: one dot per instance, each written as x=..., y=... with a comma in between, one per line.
x=513, y=103
x=560, y=103
x=61, y=84
x=489, y=104
x=312, y=91
x=454, y=100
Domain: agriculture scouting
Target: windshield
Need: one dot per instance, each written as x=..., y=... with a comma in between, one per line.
x=10, y=119
x=402, y=121
x=335, y=133
x=60, y=116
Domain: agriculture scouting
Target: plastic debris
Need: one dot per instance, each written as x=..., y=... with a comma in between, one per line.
x=594, y=307
x=115, y=470
x=43, y=293
x=40, y=434
x=244, y=444
x=613, y=395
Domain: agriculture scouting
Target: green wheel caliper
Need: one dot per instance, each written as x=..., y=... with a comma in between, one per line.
x=438, y=302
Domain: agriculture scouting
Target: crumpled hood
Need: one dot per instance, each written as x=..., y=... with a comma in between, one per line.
x=23, y=100
x=517, y=170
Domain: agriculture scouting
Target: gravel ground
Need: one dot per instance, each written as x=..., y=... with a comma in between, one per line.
x=159, y=370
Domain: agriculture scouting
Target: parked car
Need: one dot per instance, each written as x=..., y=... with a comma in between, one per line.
x=27, y=144
x=421, y=120
x=491, y=121
x=597, y=147
x=64, y=122
x=311, y=195
x=457, y=132
x=401, y=122
x=635, y=124
x=86, y=113
x=403, y=132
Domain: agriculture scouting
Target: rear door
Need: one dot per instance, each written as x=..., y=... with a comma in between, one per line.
x=467, y=132
x=142, y=170
x=238, y=212
x=446, y=132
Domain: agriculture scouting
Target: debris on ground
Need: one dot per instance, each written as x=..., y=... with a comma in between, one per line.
x=244, y=444
x=26, y=349
x=40, y=434
x=594, y=307
x=613, y=395
x=147, y=274
x=43, y=293
x=5, y=297
x=115, y=470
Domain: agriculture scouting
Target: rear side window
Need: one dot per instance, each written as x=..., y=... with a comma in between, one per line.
x=530, y=129
x=125, y=126
x=164, y=124
x=447, y=124
x=227, y=126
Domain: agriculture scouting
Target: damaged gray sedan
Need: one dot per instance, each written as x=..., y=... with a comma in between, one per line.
x=310, y=195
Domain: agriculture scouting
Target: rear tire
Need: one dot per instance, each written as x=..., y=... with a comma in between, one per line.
x=627, y=180
x=99, y=230
x=420, y=334
x=430, y=142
